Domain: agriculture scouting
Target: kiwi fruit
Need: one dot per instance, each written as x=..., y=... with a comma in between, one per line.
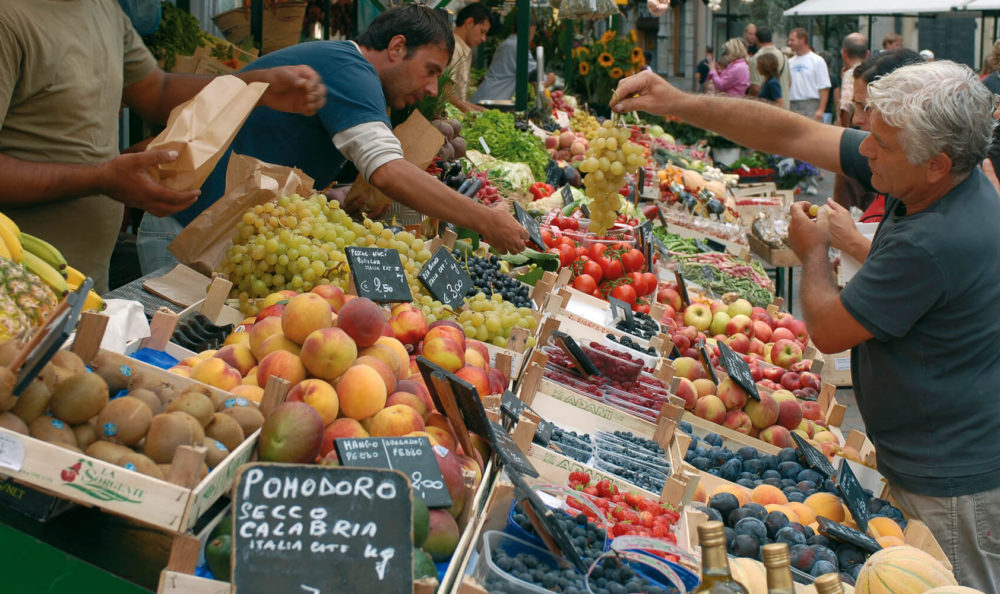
x=149, y=397
x=142, y=464
x=79, y=397
x=52, y=430
x=197, y=405
x=86, y=434
x=107, y=451
x=167, y=393
x=249, y=418
x=7, y=381
x=167, y=432
x=53, y=375
x=215, y=452
x=124, y=420
x=9, y=420
x=69, y=361
x=9, y=350
x=113, y=369
x=165, y=469
x=226, y=429
x=33, y=401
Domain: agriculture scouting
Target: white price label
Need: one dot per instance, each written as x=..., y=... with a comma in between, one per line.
x=11, y=452
x=486, y=147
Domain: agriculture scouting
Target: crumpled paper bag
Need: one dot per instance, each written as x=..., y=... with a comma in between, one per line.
x=202, y=128
x=126, y=323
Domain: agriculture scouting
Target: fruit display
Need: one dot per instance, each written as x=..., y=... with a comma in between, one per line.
x=489, y=278
x=903, y=569
x=567, y=146
x=610, y=156
x=584, y=123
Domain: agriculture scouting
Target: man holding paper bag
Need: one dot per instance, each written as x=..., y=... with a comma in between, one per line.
x=393, y=64
x=65, y=70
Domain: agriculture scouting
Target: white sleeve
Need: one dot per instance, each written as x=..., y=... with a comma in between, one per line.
x=369, y=146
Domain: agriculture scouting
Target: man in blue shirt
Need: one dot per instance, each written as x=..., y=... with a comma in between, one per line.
x=393, y=64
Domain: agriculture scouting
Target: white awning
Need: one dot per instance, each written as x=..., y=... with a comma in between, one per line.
x=979, y=4
x=867, y=7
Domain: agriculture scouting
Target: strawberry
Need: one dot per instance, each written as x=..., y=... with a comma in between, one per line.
x=620, y=530
x=630, y=516
x=578, y=478
x=591, y=490
x=647, y=519
x=633, y=500
x=604, y=487
x=660, y=531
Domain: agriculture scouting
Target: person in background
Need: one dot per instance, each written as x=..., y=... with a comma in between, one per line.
x=65, y=70
x=501, y=77
x=922, y=352
x=927, y=55
x=767, y=67
x=834, y=74
x=853, y=52
x=750, y=38
x=767, y=47
x=734, y=78
x=991, y=69
x=648, y=56
x=892, y=41
x=471, y=26
x=810, y=88
x=704, y=67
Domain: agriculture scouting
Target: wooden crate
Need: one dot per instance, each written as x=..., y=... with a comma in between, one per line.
x=837, y=370
x=281, y=28
x=773, y=257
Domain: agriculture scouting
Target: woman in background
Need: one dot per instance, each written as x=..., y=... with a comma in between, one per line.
x=734, y=78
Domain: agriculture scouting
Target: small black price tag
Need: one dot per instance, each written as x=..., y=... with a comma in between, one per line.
x=635, y=193
x=812, y=457
x=854, y=496
x=531, y=225
x=701, y=245
x=378, y=274
x=509, y=453
x=543, y=434
x=445, y=279
x=848, y=535
x=511, y=406
x=549, y=523
x=640, y=184
x=576, y=353
x=738, y=369
x=567, y=195
x=617, y=305
x=682, y=288
x=646, y=236
x=714, y=245
x=707, y=361
x=466, y=397
x=659, y=213
x=412, y=456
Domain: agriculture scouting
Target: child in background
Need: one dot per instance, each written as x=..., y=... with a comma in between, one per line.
x=767, y=66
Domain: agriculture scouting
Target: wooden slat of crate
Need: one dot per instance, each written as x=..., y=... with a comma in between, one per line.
x=773, y=257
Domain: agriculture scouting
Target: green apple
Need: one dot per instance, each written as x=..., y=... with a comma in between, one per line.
x=719, y=321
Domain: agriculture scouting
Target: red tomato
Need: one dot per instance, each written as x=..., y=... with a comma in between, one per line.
x=612, y=268
x=597, y=250
x=572, y=223
x=644, y=308
x=624, y=292
x=639, y=283
x=581, y=253
x=566, y=254
x=547, y=238
x=585, y=283
x=593, y=269
x=651, y=281
x=633, y=260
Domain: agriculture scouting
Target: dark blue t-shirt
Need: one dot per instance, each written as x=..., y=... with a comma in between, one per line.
x=927, y=382
x=770, y=90
x=353, y=96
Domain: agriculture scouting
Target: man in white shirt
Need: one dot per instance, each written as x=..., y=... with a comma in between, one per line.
x=810, y=84
x=471, y=26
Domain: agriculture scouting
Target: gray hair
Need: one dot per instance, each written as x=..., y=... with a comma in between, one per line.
x=938, y=107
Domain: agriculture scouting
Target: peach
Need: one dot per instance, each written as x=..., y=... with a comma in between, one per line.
x=767, y=494
x=451, y=469
x=343, y=427
x=430, y=438
x=362, y=391
x=828, y=448
x=448, y=328
x=414, y=368
x=705, y=387
x=387, y=355
x=741, y=493
x=332, y=294
x=687, y=390
x=812, y=411
x=363, y=320
x=498, y=381
x=783, y=509
x=731, y=394
x=443, y=438
x=737, y=420
x=206, y=354
x=763, y=413
x=700, y=493
x=472, y=465
x=189, y=362
x=250, y=379
x=181, y=370
x=782, y=395
x=882, y=526
x=293, y=434
x=890, y=541
x=272, y=311
x=444, y=352
x=826, y=436
x=252, y=393
x=238, y=336
x=827, y=505
x=278, y=342
x=217, y=373
x=777, y=436
x=238, y=356
x=711, y=409
x=789, y=414
x=804, y=512
x=688, y=367
x=274, y=298
x=408, y=325
x=477, y=377
x=319, y=395
x=281, y=364
x=475, y=359
x=388, y=378
x=328, y=352
x=806, y=428
x=415, y=385
x=396, y=420
x=851, y=454
x=303, y=315
x=261, y=331
x=404, y=356
x=405, y=398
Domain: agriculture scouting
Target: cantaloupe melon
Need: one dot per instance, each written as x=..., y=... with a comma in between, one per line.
x=883, y=526
x=902, y=569
x=953, y=590
x=749, y=572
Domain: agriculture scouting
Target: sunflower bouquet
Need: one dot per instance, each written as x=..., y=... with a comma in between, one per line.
x=600, y=64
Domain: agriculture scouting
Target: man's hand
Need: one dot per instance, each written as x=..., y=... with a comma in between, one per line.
x=818, y=116
x=842, y=229
x=504, y=233
x=806, y=235
x=644, y=91
x=295, y=89
x=126, y=178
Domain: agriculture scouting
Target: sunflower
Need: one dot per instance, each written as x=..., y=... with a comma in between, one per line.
x=584, y=69
x=632, y=36
x=605, y=59
x=616, y=73
x=608, y=36
x=636, y=55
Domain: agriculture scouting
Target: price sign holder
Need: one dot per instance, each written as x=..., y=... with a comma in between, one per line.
x=626, y=311
x=543, y=519
x=574, y=352
x=738, y=370
x=377, y=273
x=345, y=529
x=706, y=362
x=682, y=286
x=848, y=535
x=512, y=407
x=438, y=385
x=659, y=213
x=509, y=453
x=812, y=457
x=646, y=236
x=412, y=456
x=567, y=195
x=854, y=496
x=531, y=225
x=640, y=184
x=445, y=279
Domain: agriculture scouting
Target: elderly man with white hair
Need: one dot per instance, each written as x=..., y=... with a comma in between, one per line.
x=919, y=317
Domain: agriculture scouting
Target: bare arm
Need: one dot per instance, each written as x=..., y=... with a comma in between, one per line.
x=754, y=90
x=754, y=124
x=824, y=98
x=403, y=181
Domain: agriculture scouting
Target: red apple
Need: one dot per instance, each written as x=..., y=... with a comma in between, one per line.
x=739, y=343
x=810, y=380
x=669, y=297
x=782, y=334
x=740, y=324
x=803, y=365
x=762, y=330
x=773, y=373
x=785, y=353
x=791, y=381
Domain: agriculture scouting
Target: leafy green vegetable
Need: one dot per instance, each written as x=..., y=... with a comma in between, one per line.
x=506, y=142
x=179, y=34
x=544, y=260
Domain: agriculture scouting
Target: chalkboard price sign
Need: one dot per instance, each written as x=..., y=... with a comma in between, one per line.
x=846, y=534
x=467, y=399
x=617, y=305
x=378, y=274
x=445, y=279
x=682, y=288
x=509, y=453
x=549, y=524
x=531, y=225
x=738, y=369
x=50, y=337
x=511, y=406
x=567, y=196
x=307, y=528
x=646, y=235
x=659, y=213
x=812, y=457
x=707, y=363
x=574, y=351
x=854, y=496
x=412, y=456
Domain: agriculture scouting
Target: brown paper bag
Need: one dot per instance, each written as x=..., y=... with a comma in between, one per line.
x=202, y=244
x=421, y=142
x=202, y=128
